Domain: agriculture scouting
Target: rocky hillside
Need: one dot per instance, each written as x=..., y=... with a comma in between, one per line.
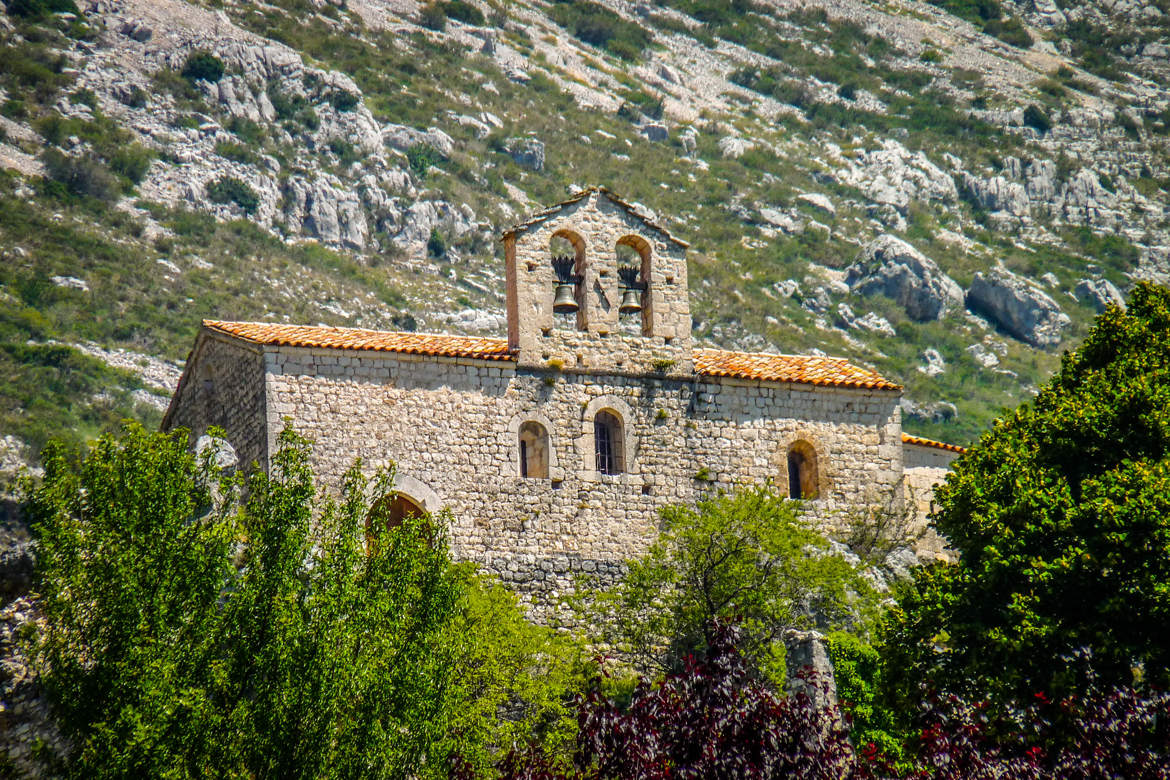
x=947, y=191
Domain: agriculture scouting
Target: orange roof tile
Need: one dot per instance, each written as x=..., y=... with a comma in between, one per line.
x=921, y=442
x=799, y=369
x=357, y=338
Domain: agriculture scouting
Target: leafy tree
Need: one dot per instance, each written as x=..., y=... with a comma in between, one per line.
x=745, y=555
x=1061, y=516
x=190, y=631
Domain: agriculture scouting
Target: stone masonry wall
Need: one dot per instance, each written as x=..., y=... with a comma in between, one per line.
x=926, y=467
x=450, y=426
x=226, y=389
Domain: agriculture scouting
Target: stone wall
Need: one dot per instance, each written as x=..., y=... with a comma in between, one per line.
x=451, y=427
x=926, y=467
x=225, y=389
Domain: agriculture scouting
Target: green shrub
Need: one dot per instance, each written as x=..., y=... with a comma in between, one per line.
x=1035, y=117
x=38, y=9
x=745, y=556
x=132, y=161
x=1010, y=31
x=1129, y=125
x=292, y=108
x=432, y=17
x=597, y=25
x=421, y=157
x=136, y=98
x=346, y=152
x=464, y=12
x=436, y=244
x=228, y=189
x=930, y=55
x=342, y=100
x=83, y=176
x=246, y=130
x=14, y=108
x=203, y=66
x=236, y=152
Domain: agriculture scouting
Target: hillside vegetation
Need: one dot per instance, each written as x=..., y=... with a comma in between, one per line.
x=351, y=162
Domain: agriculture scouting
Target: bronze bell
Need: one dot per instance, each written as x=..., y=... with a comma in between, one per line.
x=631, y=301
x=564, y=302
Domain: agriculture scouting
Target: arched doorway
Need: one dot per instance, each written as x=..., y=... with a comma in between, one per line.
x=392, y=510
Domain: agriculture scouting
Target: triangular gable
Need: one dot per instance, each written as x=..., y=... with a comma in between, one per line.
x=548, y=213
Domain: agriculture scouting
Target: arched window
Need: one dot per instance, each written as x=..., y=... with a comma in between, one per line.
x=608, y=443
x=533, y=451
x=802, y=471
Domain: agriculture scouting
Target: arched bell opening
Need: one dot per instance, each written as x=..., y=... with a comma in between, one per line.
x=567, y=256
x=633, y=268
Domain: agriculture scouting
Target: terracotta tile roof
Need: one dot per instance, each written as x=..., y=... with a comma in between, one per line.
x=814, y=370
x=357, y=338
x=556, y=208
x=921, y=442
x=799, y=369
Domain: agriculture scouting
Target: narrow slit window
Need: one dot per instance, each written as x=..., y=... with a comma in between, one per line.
x=802, y=471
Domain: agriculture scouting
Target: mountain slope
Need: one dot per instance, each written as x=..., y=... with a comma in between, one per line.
x=912, y=185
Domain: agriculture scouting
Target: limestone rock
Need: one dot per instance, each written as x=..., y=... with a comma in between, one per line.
x=70, y=282
x=527, y=152
x=892, y=267
x=1100, y=293
x=938, y=411
x=1020, y=308
x=402, y=138
x=323, y=208
x=219, y=452
x=806, y=650
x=998, y=194
x=733, y=147
x=654, y=131
x=933, y=363
x=983, y=356
x=819, y=201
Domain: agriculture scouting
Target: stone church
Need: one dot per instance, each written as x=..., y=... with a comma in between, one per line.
x=554, y=448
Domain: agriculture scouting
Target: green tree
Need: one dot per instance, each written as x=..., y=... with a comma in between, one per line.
x=192, y=632
x=745, y=556
x=1061, y=515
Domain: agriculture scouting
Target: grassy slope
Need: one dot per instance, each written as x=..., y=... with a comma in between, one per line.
x=234, y=270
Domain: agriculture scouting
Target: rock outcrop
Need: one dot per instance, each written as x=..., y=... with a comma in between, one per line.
x=1018, y=307
x=889, y=266
x=1099, y=293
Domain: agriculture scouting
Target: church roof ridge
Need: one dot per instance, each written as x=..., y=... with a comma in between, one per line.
x=761, y=366
x=549, y=211
x=908, y=438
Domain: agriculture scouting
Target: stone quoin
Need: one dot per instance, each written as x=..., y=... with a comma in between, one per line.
x=555, y=448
